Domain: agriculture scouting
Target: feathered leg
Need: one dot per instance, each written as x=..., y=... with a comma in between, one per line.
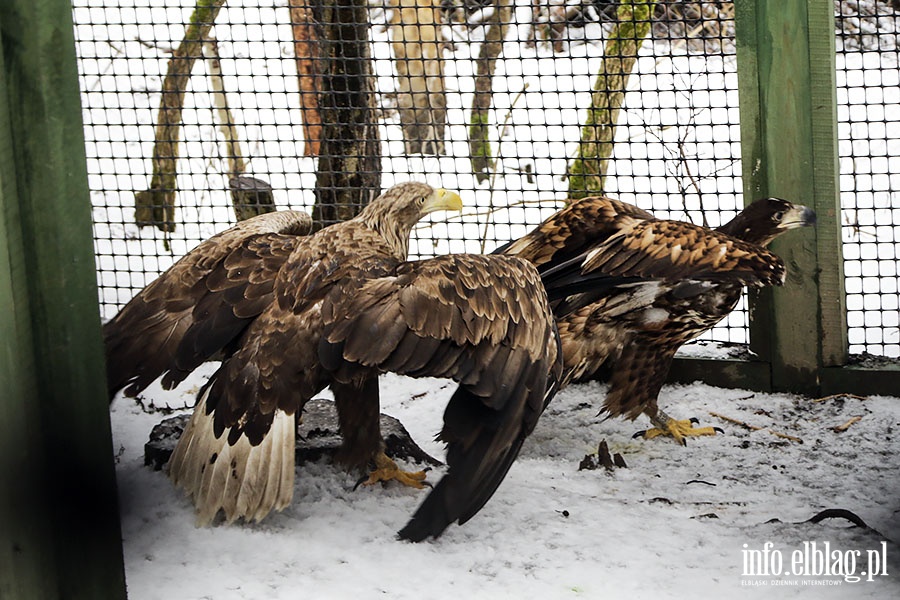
x=359, y=414
x=637, y=378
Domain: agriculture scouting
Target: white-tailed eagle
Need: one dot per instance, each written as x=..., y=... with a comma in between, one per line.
x=291, y=314
x=628, y=289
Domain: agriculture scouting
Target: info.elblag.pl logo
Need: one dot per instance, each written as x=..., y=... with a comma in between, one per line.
x=813, y=564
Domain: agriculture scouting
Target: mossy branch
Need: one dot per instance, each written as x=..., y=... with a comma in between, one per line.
x=156, y=205
x=588, y=170
x=485, y=65
x=480, y=145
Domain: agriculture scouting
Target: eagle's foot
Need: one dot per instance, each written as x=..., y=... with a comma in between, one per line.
x=387, y=470
x=675, y=428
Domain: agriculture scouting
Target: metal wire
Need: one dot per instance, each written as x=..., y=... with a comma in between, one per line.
x=868, y=93
x=676, y=149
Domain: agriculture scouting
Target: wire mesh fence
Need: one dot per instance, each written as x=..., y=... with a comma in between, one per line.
x=486, y=97
x=868, y=92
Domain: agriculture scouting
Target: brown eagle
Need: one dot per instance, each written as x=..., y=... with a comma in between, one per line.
x=628, y=289
x=293, y=314
x=483, y=322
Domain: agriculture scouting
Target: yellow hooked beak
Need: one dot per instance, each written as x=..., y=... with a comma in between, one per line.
x=442, y=199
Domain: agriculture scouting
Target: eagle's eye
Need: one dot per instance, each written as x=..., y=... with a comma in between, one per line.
x=421, y=200
x=778, y=216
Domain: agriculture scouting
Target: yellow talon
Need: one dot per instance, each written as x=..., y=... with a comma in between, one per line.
x=387, y=470
x=677, y=429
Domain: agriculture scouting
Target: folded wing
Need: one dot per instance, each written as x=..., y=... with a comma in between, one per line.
x=483, y=321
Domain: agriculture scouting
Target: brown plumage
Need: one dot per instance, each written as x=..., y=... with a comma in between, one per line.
x=630, y=289
x=482, y=321
x=200, y=304
x=342, y=307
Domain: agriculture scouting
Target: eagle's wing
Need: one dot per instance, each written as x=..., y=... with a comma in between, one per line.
x=276, y=366
x=237, y=451
x=482, y=321
x=200, y=304
x=673, y=250
x=658, y=257
x=574, y=230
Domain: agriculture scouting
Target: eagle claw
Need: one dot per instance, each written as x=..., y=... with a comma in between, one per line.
x=387, y=470
x=677, y=429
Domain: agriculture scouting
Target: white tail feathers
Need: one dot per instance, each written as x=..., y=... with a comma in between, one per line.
x=241, y=480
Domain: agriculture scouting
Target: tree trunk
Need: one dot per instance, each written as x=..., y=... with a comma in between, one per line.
x=308, y=56
x=416, y=43
x=349, y=169
x=156, y=205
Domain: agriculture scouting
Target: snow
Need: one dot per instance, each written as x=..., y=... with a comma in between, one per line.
x=679, y=521
x=673, y=524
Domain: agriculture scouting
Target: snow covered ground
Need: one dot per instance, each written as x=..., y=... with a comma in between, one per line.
x=678, y=522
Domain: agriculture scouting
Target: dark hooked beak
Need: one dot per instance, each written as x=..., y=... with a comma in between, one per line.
x=798, y=216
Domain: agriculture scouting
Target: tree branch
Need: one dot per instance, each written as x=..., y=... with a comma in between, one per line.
x=156, y=205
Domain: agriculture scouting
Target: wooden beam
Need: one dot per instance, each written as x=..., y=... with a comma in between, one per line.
x=65, y=539
x=722, y=372
x=786, y=77
x=881, y=380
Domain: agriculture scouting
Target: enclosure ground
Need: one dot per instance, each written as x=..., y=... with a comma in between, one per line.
x=677, y=522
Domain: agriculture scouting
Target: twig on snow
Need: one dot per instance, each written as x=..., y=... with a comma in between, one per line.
x=845, y=426
x=750, y=427
x=836, y=396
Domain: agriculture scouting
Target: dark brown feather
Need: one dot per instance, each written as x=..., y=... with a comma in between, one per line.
x=631, y=289
x=142, y=341
x=483, y=321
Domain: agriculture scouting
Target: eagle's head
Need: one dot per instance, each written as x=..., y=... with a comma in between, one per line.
x=765, y=219
x=396, y=211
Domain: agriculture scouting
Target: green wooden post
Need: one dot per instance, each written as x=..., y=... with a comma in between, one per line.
x=26, y=567
x=59, y=513
x=786, y=75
